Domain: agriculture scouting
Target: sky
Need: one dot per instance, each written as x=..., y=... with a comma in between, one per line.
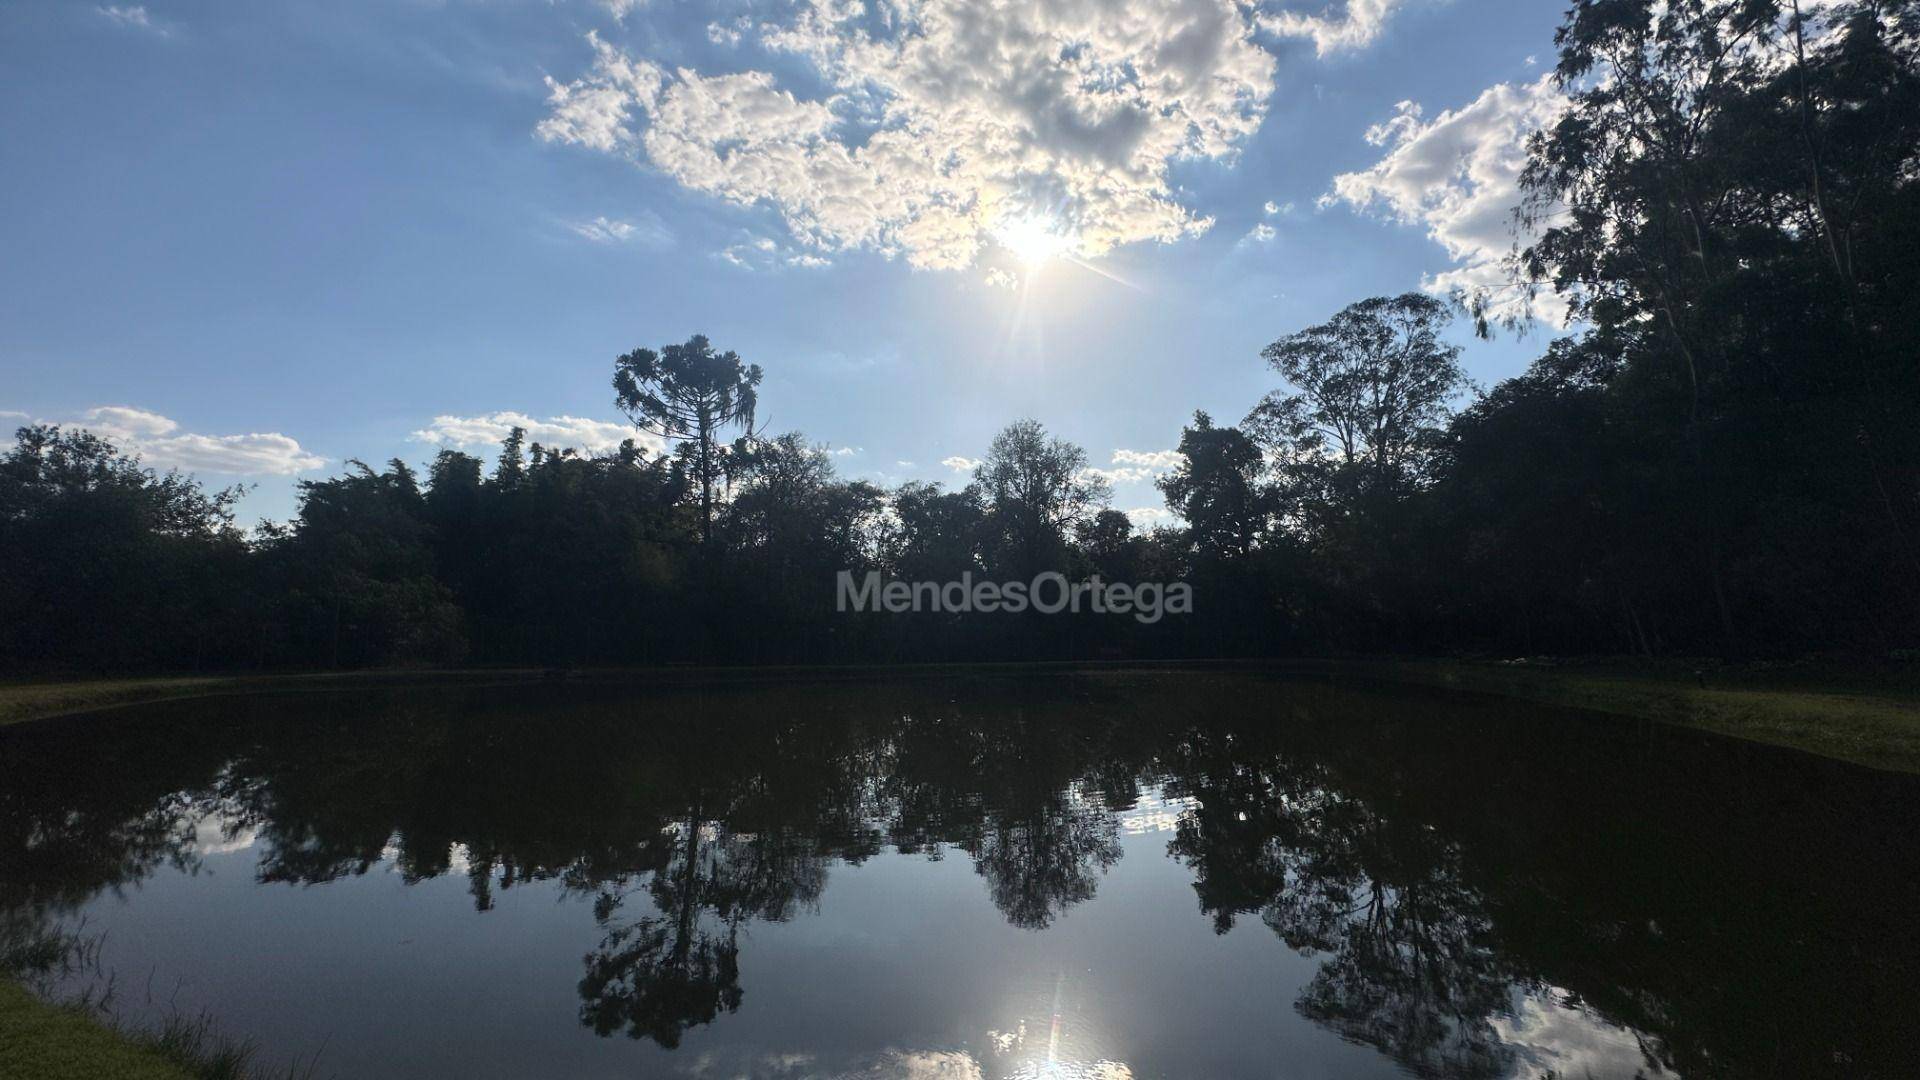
x=255, y=240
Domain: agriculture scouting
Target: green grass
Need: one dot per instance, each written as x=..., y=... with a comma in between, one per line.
x=42, y=1040
x=39, y=1041
x=1870, y=718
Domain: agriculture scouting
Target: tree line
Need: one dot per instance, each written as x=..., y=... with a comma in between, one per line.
x=1724, y=458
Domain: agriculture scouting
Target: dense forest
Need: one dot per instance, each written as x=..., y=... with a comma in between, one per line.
x=1722, y=459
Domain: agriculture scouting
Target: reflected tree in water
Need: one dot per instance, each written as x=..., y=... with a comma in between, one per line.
x=678, y=967
x=1042, y=859
x=1639, y=889
x=1026, y=797
x=1407, y=959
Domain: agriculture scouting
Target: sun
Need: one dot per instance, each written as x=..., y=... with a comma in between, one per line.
x=1035, y=241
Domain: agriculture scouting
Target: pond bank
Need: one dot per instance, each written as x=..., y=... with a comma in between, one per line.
x=1870, y=718
x=41, y=1040
x=1864, y=717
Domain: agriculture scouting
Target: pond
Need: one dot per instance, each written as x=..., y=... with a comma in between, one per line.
x=1112, y=874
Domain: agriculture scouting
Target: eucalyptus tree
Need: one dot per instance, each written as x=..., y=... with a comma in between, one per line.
x=1037, y=490
x=1370, y=385
x=1729, y=198
x=690, y=394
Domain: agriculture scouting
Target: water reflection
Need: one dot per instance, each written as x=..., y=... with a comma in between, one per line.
x=1480, y=893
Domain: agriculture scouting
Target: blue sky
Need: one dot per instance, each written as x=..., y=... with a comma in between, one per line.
x=256, y=239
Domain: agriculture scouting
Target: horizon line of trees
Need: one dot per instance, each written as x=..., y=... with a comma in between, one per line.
x=1724, y=460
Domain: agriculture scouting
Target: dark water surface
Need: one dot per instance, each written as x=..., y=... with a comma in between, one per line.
x=1179, y=875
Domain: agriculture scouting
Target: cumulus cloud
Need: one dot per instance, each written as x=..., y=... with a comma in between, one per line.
x=936, y=125
x=258, y=454
x=559, y=432
x=161, y=444
x=1136, y=466
x=1149, y=517
x=127, y=423
x=1259, y=234
x=1157, y=460
x=1340, y=26
x=1458, y=175
x=960, y=464
x=649, y=231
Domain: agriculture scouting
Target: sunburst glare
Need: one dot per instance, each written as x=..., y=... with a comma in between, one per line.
x=1034, y=240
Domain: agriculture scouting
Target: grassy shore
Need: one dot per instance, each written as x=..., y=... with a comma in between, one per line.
x=41, y=1040
x=34, y=700
x=38, y=700
x=1863, y=715
x=55, y=1042
x=1869, y=716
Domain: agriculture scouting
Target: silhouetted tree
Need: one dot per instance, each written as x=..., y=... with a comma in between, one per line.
x=1219, y=489
x=105, y=563
x=690, y=393
x=1371, y=384
x=1037, y=490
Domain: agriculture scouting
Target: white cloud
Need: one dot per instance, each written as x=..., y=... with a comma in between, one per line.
x=765, y=253
x=846, y=451
x=1136, y=466
x=1259, y=234
x=650, y=232
x=1552, y=1034
x=940, y=123
x=903, y=464
x=1114, y=476
x=620, y=9
x=1148, y=517
x=133, y=17
x=161, y=444
x=268, y=454
x=592, y=436
x=1275, y=209
x=1459, y=176
x=729, y=33
x=960, y=464
x=593, y=111
x=127, y=423
x=1351, y=25
x=998, y=278
x=1157, y=460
